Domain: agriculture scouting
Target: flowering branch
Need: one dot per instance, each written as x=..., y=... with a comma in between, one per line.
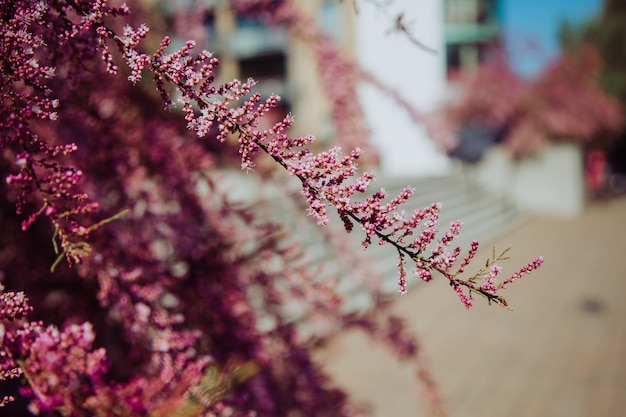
x=323, y=176
x=26, y=100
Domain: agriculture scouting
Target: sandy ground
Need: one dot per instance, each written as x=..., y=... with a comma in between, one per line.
x=561, y=351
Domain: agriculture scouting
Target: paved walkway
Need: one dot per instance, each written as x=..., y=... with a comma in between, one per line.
x=561, y=352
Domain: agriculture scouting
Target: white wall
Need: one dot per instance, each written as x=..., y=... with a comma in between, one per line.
x=419, y=75
x=549, y=183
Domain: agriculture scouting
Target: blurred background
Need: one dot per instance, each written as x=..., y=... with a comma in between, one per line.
x=511, y=114
x=521, y=99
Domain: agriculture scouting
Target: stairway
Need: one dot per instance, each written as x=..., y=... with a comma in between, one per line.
x=485, y=217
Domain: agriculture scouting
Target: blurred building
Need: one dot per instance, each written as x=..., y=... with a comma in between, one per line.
x=471, y=31
x=282, y=65
x=460, y=31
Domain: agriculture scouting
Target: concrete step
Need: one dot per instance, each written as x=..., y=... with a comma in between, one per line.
x=485, y=216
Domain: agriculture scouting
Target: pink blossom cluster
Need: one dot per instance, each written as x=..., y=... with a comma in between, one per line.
x=60, y=366
x=524, y=270
x=65, y=373
x=13, y=305
x=489, y=286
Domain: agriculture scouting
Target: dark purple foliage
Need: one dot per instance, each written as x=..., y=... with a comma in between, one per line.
x=154, y=296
